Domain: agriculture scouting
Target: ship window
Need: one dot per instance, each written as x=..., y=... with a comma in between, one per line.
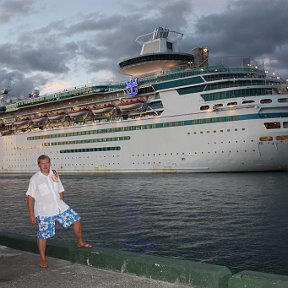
x=283, y=100
x=272, y=125
x=206, y=107
x=169, y=45
x=266, y=138
x=265, y=101
x=285, y=138
x=232, y=103
x=218, y=105
x=248, y=101
x=285, y=124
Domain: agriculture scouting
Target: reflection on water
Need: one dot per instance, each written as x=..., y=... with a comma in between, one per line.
x=238, y=220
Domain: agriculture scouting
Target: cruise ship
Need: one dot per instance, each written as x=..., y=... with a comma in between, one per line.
x=174, y=113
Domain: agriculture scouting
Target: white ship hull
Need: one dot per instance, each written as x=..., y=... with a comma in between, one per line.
x=217, y=147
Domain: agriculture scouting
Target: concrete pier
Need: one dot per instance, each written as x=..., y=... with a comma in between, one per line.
x=69, y=266
x=19, y=269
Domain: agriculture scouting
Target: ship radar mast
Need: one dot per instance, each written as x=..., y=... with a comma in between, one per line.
x=161, y=40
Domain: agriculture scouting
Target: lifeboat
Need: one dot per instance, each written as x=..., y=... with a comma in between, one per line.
x=2, y=126
x=40, y=119
x=23, y=123
x=61, y=116
x=136, y=104
x=80, y=114
x=102, y=109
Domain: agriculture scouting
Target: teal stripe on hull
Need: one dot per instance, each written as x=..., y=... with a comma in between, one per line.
x=166, y=125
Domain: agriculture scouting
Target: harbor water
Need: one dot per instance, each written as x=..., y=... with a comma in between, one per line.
x=239, y=220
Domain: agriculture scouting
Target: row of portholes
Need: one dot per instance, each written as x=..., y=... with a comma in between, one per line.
x=215, y=131
x=198, y=153
x=87, y=164
x=234, y=103
x=183, y=154
x=230, y=142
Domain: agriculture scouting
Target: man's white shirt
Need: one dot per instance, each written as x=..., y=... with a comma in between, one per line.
x=46, y=193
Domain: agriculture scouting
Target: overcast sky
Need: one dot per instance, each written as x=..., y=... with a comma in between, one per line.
x=55, y=44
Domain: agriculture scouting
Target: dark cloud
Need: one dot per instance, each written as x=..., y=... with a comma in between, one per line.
x=15, y=8
x=93, y=23
x=51, y=59
x=18, y=84
x=257, y=29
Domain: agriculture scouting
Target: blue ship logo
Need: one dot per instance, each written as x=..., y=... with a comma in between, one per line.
x=132, y=87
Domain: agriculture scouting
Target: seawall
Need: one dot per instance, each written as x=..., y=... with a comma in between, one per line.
x=195, y=274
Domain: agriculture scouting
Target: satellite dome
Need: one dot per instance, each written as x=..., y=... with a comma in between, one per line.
x=35, y=93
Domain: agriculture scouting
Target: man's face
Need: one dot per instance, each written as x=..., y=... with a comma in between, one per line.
x=44, y=166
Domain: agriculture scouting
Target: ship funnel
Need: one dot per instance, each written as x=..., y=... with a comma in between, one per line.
x=200, y=57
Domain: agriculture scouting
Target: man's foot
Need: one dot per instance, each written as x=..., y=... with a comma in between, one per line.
x=84, y=245
x=43, y=264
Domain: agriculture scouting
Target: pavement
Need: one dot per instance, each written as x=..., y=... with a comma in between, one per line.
x=21, y=269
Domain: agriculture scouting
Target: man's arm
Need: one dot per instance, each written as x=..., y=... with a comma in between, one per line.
x=30, y=205
x=61, y=194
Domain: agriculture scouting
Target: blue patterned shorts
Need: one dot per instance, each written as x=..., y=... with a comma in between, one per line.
x=46, y=224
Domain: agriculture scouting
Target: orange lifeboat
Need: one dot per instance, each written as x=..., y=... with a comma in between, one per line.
x=60, y=116
x=22, y=123
x=40, y=119
x=96, y=110
x=80, y=114
x=136, y=104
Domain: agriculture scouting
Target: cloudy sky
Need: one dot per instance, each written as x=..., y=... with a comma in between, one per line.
x=55, y=44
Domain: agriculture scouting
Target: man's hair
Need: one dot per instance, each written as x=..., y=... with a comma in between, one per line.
x=43, y=157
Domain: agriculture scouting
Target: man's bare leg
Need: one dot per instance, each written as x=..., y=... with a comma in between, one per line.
x=42, y=249
x=77, y=229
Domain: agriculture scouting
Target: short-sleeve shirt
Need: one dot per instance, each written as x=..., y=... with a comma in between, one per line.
x=45, y=191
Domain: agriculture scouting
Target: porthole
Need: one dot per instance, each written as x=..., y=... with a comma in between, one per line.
x=248, y=101
x=282, y=138
x=283, y=100
x=266, y=138
x=265, y=101
x=232, y=103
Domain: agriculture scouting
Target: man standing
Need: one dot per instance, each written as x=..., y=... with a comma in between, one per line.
x=45, y=203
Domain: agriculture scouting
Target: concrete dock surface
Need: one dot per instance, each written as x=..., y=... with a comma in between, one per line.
x=21, y=269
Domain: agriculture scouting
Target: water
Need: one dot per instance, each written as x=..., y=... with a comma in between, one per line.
x=239, y=220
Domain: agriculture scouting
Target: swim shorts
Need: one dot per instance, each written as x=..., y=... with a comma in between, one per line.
x=46, y=224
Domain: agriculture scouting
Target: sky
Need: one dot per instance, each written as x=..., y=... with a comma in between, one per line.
x=52, y=45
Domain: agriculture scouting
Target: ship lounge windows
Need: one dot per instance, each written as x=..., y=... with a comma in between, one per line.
x=282, y=138
x=272, y=125
x=265, y=101
x=266, y=138
x=248, y=101
x=206, y=107
x=285, y=124
x=283, y=100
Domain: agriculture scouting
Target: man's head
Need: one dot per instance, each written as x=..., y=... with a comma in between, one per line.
x=44, y=164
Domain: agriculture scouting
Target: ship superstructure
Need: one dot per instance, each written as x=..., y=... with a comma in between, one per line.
x=175, y=113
